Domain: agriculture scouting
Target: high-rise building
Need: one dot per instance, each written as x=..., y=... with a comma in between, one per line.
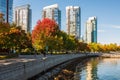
x=73, y=21
x=52, y=12
x=22, y=17
x=91, y=30
x=6, y=8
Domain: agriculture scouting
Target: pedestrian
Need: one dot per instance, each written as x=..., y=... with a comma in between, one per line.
x=43, y=52
x=35, y=53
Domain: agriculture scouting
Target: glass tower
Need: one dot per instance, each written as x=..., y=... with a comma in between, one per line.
x=6, y=7
x=91, y=30
x=22, y=17
x=52, y=12
x=73, y=21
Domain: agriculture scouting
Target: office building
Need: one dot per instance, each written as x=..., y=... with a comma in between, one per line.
x=91, y=30
x=52, y=12
x=6, y=8
x=22, y=17
x=73, y=21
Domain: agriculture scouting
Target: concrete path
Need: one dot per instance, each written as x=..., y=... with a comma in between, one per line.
x=27, y=58
x=23, y=58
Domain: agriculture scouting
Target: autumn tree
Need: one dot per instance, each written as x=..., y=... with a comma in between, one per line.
x=13, y=38
x=82, y=46
x=68, y=42
x=4, y=31
x=43, y=33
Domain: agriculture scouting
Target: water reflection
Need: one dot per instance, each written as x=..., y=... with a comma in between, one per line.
x=92, y=69
x=89, y=72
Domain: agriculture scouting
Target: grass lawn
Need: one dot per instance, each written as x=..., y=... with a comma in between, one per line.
x=3, y=57
x=7, y=56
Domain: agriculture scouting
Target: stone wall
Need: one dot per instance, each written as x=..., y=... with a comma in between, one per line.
x=25, y=70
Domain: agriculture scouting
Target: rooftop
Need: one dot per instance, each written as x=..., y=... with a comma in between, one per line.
x=51, y=6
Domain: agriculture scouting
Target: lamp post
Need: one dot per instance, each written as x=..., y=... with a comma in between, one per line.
x=46, y=49
x=44, y=59
x=7, y=11
x=34, y=51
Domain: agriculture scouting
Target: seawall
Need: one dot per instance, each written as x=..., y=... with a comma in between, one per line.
x=25, y=69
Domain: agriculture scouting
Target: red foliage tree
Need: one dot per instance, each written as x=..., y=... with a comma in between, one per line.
x=47, y=27
x=44, y=29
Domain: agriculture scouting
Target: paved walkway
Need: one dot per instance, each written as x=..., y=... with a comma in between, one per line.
x=22, y=58
x=26, y=58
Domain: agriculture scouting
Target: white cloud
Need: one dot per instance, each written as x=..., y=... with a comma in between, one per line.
x=115, y=26
x=110, y=25
x=103, y=25
x=100, y=31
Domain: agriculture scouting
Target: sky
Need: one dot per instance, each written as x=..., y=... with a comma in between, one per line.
x=106, y=11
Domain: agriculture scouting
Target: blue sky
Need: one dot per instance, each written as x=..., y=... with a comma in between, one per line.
x=107, y=12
